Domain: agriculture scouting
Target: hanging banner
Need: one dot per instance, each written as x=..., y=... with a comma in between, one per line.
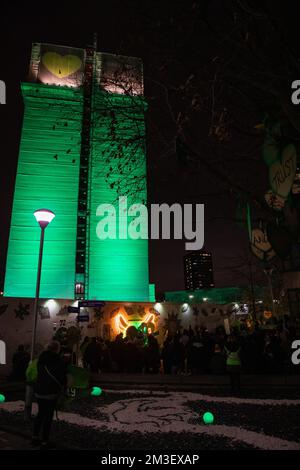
x=119, y=74
x=282, y=173
x=60, y=65
x=261, y=246
x=274, y=201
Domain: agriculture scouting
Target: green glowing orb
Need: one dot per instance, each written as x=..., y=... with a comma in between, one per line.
x=208, y=418
x=96, y=391
x=2, y=398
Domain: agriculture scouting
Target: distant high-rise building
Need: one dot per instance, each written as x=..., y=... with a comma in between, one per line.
x=198, y=270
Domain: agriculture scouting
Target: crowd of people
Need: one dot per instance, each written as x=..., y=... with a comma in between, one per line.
x=190, y=351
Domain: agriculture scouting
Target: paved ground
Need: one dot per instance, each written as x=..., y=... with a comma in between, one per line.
x=202, y=379
x=142, y=419
x=193, y=381
x=147, y=411
x=10, y=441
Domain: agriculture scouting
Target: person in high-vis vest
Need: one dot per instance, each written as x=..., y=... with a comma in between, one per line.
x=233, y=363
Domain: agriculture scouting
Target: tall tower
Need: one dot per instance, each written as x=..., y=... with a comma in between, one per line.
x=82, y=145
x=198, y=270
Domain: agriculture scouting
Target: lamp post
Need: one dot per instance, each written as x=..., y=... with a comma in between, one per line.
x=268, y=272
x=43, y=217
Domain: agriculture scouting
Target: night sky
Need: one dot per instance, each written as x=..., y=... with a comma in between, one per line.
x=184, y=45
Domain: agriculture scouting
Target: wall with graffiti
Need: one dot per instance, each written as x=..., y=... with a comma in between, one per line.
x=57, y=318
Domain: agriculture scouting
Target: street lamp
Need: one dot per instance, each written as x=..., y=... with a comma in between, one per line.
x=43, y=217
x=268, y=272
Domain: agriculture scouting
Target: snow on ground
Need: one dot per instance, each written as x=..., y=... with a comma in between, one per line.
x=156, y=412
x=192, y=396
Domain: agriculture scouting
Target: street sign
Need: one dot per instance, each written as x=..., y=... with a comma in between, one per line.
x=83, y=318
x=73, y=309
x=91, y=303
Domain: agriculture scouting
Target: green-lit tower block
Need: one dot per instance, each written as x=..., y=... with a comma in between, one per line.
x=51, y=166
x=47, y=177
x=118, y=269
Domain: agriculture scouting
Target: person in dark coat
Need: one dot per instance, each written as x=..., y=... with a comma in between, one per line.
x=196, y=355
x=117, y=353
x=93, y=355
x=218, y=361
x=20, y=363
x=152, y=357
x=166, y=355
x=51, y=380
x=177, y=355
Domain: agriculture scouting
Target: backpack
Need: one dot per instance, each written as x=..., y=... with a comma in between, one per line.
x=31, y=371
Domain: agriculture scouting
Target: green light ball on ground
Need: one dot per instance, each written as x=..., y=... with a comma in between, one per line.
x=2, y=398
x=96, y=391
x=208, y=418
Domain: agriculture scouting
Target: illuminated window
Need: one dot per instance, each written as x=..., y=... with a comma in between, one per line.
x=79, y=288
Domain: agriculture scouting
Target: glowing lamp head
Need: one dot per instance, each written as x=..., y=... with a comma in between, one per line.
x=44, y=217
x=208, y=418
x=185, y=308
x=2, y=398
